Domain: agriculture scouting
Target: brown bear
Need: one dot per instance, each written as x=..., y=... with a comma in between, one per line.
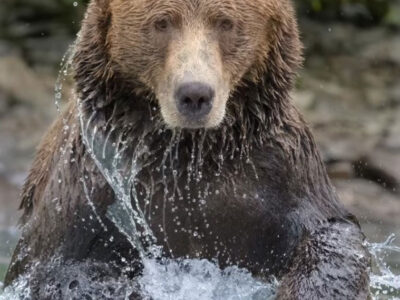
x=182, y=134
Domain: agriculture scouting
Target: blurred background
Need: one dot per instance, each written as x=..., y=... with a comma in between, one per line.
x=349, y=91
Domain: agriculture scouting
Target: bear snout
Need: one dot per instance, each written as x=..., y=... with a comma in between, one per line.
x=194, y=100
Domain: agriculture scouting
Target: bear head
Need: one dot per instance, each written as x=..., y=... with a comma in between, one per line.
x=194, y=56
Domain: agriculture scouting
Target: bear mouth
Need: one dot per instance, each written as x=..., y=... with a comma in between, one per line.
x=194, y=124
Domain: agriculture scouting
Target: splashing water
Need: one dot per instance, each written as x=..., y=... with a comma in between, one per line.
x=110, y=148
x=18, y=291
x=176, y=280
x=385, y=284
x=201, y=279
x=204, y=280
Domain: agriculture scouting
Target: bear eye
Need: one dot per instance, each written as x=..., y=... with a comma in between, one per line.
x=162, y=24
x=226, y=24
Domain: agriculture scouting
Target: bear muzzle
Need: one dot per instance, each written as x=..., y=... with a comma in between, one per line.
x=194, y=100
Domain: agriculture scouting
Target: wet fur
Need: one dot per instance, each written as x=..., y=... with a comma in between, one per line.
x=276, y=214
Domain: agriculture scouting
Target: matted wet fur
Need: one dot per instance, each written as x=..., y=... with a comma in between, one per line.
x=266, y=202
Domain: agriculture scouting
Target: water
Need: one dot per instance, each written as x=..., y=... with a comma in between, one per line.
x=204, y=280
x=201, y=279
x=119, y=161
x=8, y=240
x=385, y=283
x=175, y=280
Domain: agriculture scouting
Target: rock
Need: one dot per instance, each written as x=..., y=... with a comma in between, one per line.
x=370, y=202
x=35, y=90
x=391, y=140
x=341, y=170
x=377, y=97
x=349, y=90
x=394, y=94
x=26, y=111
x=304, y=99
x=382, y=167
x=387, y=52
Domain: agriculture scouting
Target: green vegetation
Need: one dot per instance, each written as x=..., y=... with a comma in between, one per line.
x=47, y=16
x=363, y=12
x=39, y=29
x=51, y=15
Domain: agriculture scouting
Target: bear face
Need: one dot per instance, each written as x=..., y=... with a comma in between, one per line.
x=192, y=54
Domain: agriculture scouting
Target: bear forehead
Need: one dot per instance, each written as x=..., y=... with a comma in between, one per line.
x=234, y=7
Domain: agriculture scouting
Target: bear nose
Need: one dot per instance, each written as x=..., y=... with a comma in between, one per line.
x=195, y=99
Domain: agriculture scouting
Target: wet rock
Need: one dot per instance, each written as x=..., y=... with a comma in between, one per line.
x=381, y=167
x=377, y=208
x=394, y=95
x=26, y=111
x=376, y=97
x=304, y=99
x=391, y=139
x=36, y=89
x=387, y=52
x=354, y=105
x=341, y=170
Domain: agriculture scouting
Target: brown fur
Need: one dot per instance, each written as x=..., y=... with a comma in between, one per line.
x=275, y=205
